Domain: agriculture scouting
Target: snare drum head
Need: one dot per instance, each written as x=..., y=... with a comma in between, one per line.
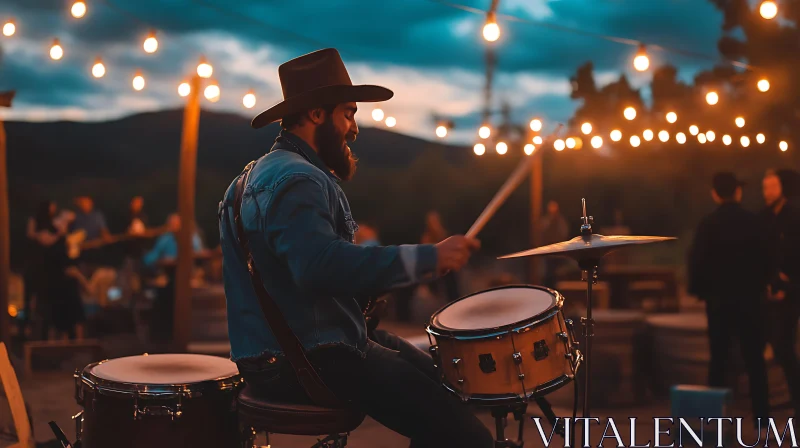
x=494, y=308
x=166, y=369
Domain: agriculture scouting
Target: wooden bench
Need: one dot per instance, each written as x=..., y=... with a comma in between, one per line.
x=61, y=345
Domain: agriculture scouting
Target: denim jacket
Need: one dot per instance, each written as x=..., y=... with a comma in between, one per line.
x=301, y=235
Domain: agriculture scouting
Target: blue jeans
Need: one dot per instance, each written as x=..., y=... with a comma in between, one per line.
x=395, y=384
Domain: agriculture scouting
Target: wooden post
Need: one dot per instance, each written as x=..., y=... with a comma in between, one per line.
x=5, y=240
x=186, y=196
x=536, y=214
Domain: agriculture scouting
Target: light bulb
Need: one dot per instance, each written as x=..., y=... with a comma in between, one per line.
x=701, y=138
x=629, y=113
x=377, y=114
x=212, y=92
x=641, y=62
x=98, y=69
x=536, y=125
x=783, y=146
x=441, y=131
x=138, y=82
x=484, y=132
x=635, y=141
x=529, y=149
x=647, y=134
x=204, y=69
x=693, y=130
x=680, y=137
x=479, y=149
x=151, y=43
x=616, y=135
x=9, y=28
x=763, y=85
x=745, y=141
x=56, y=52
x=768, y=9
x=571, y=143
x=78, y=9
x=537, y=140
x=184, y=89
x=586, y=128
x=391, y=122
x=501, y=148
x=597, y=142
x=727, y=140
x=710, y=136
x=491, y=30
x=672, y=117
x=712, y=98
x=761, y=138
x=249, y=99
x=739, y=122
x=559, y=145
x=663, y=136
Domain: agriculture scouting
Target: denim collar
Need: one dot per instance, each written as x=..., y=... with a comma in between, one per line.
x=290, y=142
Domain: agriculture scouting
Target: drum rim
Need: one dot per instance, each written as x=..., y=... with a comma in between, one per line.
x=532, y=321
x=542, y=390
x=222, y=383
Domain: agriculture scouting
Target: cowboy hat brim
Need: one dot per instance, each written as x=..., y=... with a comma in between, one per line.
x=319, y=97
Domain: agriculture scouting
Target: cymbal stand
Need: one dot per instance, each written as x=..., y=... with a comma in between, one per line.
x=500, y=414
x=589, y=268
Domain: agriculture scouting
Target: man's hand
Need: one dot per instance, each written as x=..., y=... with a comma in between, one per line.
x=454, y=252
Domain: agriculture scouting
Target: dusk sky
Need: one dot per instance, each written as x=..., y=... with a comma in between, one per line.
x=430, y=54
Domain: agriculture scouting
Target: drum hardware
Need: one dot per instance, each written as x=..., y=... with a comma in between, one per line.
x=487, y=363
x=62, y=438
x=78, y=425
x=540, y=350
x=156, y=411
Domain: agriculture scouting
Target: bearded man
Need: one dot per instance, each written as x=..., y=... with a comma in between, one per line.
x=288, y=220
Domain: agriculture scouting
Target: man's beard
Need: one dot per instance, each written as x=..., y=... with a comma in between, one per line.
x=334, y=152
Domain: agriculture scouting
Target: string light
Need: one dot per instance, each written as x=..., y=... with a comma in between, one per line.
x=783, y=146
x=537, y=140
x=78, y=9
x=693, y=130
x=9, y=28
x=680, y=137
x=559, y=145
x=204, y=69
x=597, y=142
x=479, y=149
x=391, y=122
x=150, y=44
x=672, y=117
x=184, y=89
x=56, y=52
x=249, y=99
x=441, y=131
x=529, y=149
x=739, y=122
x=491, y=30
x=98, y=69
x=647, y=134
x=571, y=143
x=635, y=141
x=586, y=128
x=663, y=136
x=768, y=9
x=536, y=125
x=727, y=140
x=616, y=135
x=501, y=148
x=745, y=141
x=761, y=138
x=701, y=138
x=712, y=98
x=641, y=62
x=629, y=113
x=763, y=85
x=212, y=92
x=710, y=136
x=377, y=114
x=138, y=81
x=484, y=132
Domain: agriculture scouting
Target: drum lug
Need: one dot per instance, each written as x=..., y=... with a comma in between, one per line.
x=434, y=351
x=563, y=336
x=456, y=361
x=521, y=376
x=139, y=412
x=517, y=358
x=568, y=355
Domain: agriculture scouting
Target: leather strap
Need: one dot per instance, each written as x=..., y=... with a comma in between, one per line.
x=316, y=390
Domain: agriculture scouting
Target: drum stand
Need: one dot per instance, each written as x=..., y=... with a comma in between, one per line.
x=500, y=415
x=589, y=267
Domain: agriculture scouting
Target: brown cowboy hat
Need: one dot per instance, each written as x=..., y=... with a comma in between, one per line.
x=314, y=80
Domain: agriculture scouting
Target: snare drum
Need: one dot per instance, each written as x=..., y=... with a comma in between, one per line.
x=504, y=344
x=158, y=401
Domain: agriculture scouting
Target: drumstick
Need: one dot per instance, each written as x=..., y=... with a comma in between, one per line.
x=505, y=191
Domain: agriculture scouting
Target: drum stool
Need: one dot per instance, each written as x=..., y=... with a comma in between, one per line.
x=258, y=415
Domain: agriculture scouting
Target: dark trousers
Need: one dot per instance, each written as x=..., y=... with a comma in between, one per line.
x=395, y=384
x=782, y=336
x=729, y=320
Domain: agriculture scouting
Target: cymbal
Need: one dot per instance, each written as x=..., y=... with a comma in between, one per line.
x=595, y=247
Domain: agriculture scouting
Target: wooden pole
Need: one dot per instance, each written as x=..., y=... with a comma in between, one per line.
x=536, y=214
x=186, y=198
x=5, y=249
